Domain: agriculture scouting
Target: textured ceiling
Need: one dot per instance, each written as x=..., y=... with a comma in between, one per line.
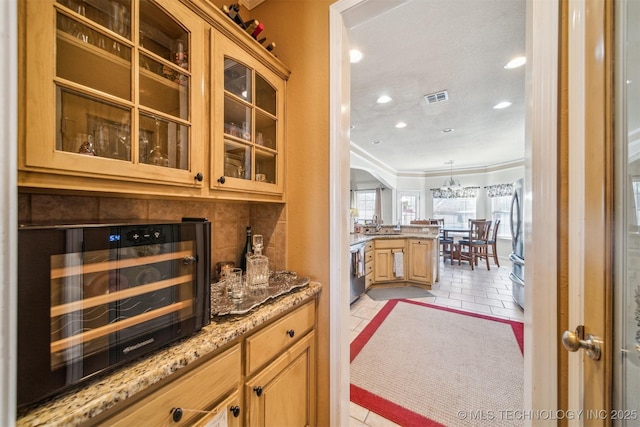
x=416, y=47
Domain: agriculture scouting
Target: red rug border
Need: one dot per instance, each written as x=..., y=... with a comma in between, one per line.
x=380, y=406
x=390, y=410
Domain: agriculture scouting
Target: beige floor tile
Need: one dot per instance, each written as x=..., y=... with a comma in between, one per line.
x=375, y=420
x=448, y=302
x=476, y=308
x=358, y=412
x=462, y=297
x=353, y=422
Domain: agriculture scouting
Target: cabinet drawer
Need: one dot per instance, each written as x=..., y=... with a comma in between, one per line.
x=390, y=243
x=368, y=247
x=198, y=389
x=368, y=280
x=271, y=341
x=368, y=267
x=368, y=256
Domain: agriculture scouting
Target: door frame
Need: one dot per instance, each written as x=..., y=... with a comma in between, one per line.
x=541, y=179
x=8, y=225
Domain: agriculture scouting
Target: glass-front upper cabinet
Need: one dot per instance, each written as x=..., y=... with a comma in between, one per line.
x=248, y=125
x=109, y=90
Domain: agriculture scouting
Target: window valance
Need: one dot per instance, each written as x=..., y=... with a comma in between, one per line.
x=455, y=193
x=499, y=190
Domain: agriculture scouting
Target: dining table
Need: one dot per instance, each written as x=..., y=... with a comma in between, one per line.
x=456, y=232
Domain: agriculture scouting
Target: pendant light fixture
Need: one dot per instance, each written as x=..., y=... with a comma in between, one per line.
x=451, y=184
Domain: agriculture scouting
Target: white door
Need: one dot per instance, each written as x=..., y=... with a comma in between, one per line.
x=603, y=196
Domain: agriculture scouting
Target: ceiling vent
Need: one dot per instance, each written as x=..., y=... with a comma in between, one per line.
x=433, y=98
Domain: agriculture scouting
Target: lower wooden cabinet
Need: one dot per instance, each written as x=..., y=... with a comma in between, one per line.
x=383, y=259
x=368, y=265
x=283, y=393
x=190, y=394
x=423, y=261
x=277, y=388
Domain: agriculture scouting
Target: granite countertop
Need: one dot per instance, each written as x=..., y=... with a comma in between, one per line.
x=92, y=398
x=406, y=233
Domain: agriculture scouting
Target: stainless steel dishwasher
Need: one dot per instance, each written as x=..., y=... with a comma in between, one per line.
x=357, y=271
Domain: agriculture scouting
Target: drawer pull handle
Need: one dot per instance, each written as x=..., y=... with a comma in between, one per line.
x=235, y=410
x=291, y=333
x=176, y=414
x=198, y=177
x=258, y=390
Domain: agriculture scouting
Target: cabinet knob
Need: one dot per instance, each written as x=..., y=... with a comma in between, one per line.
x=176, y=414
x=235, y=410
x=222, y=179
x=199, y=177
x=291, y=333
x=258, y=390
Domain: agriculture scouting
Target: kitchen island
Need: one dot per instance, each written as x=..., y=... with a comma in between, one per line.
x=400, y=256
x=105, y=396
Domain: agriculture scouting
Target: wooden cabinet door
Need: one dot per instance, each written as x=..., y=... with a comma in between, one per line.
x=283, y=393
x=420, y=261
x=382, y=265
x=247, y=122
x=228, y=413
x=109, y=102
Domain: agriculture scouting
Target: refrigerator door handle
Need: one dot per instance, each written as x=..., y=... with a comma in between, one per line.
x=515, y=225
x=516, y=259
x=516, y=279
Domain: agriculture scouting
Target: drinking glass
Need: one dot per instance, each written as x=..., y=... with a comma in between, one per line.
x=235, y=284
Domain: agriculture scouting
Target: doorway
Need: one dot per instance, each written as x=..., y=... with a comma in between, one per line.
x=541, y=369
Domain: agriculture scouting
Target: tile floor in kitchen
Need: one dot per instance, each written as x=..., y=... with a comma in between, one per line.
x=480, y=291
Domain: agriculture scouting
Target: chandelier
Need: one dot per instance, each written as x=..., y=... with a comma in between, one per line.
x=451, y=188
x=450, y=184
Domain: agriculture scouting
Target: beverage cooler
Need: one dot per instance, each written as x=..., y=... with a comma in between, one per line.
x=94, y=296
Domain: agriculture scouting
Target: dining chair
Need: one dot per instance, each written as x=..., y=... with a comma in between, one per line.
x=437, y=221
x=474, y=247
x=492, y=243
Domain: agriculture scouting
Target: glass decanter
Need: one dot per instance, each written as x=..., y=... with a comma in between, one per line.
x=257, y=265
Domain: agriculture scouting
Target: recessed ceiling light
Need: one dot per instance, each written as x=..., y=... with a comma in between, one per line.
x=447, y=130
x=401, y=125
x=501, y=105
x=375, y=142
x=355, y=56
x=516, y=62
x=383, y=99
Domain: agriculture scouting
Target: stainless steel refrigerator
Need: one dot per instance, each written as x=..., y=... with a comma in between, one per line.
x=517, y=244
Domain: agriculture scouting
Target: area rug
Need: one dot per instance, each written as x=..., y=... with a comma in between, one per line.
x=418, y=364
x=397, y=292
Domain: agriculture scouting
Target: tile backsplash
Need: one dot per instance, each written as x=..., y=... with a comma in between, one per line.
x=228, y=219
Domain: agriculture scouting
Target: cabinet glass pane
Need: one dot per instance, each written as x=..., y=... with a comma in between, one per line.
x=237, y=79
x=92, y=59
x=163, y=143
x=163, y=88
x=265, y=131
x=237, y=119
x=237, y=160
x=265, y=167
x=162, y=35
x=88, y=126
x=265, y=95
x=112, y=14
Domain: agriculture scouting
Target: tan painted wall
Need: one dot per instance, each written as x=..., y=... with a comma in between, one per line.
x=300, y=30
